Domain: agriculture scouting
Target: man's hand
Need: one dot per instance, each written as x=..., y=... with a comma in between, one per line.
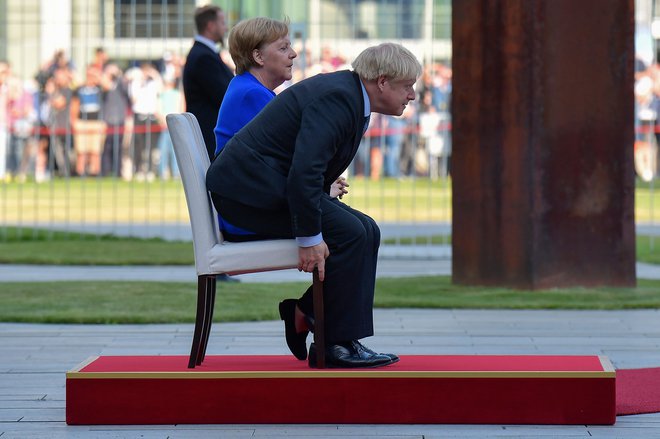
x=314, y=256
x=338, y=188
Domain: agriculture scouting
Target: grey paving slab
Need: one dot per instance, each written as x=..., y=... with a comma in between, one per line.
x=42, y=403
x=475, y=431
x=182, y=232
x=32, y=415
x=48, y=273
x=24, y=397
x=387, y=267
x=34, y=358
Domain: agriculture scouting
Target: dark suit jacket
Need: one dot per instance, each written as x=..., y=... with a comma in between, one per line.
x=294, y=149
x=205, y=81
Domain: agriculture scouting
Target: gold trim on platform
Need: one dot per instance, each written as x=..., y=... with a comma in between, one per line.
x=343, y=374
x=607, y=372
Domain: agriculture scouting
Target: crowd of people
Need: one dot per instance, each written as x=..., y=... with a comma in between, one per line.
x=647, y=118
x=105, y=120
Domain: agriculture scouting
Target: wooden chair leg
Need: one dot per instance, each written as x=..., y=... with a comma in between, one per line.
x=199, y=321
x=210, y=301
x=319, y=320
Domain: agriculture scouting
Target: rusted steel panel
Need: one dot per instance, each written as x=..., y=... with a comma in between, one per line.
x=542, y=167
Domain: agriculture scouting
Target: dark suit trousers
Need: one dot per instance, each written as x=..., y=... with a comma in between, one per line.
x=353, y=239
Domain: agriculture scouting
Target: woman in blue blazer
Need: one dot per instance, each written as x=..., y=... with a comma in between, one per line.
x=262, y=52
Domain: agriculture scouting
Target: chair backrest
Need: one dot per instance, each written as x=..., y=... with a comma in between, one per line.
x=193, y=161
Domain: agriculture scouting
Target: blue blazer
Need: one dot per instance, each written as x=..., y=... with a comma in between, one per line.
x=205, y=81
x=294, y=149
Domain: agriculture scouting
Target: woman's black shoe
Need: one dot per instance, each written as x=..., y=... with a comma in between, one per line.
x=297, y=341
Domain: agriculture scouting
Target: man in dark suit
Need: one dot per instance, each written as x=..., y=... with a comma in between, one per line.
x=274, y=176
x=205, y=76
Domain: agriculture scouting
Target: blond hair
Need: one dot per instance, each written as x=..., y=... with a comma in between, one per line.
x=248, y=35
x=387, y=59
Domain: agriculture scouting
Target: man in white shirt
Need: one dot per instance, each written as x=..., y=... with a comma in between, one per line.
x=205, y=76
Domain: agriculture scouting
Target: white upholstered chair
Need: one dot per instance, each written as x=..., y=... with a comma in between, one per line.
x=215, y=256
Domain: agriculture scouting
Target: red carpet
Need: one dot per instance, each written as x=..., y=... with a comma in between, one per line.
x=522, y=364
x=420, y=389
x=637, y=391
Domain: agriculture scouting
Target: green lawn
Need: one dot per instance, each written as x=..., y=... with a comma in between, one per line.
x=159, y=302
x=648, y=249
x=37, y=246
x=108, y=200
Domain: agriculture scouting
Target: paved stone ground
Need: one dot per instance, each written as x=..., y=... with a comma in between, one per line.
x=34, y=359
x=386, y=268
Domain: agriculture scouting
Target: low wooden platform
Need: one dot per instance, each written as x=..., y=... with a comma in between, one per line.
x=465, y=389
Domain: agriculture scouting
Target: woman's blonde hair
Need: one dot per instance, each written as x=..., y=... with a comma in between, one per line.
x=251, y=34
x=387, y=59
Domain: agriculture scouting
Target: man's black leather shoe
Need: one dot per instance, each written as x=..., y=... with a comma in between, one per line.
x=393, y=357
x=297, y=341
x=349, y=355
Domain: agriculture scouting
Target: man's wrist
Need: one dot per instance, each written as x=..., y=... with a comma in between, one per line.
x=309, y=241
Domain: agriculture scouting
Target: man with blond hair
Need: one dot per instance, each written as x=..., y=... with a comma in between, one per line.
x=274, y=176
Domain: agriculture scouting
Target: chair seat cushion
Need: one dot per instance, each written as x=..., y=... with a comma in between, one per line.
x=248, y=257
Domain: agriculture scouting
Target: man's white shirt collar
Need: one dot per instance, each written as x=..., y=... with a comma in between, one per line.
x=207, y=42
x=367, y=104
